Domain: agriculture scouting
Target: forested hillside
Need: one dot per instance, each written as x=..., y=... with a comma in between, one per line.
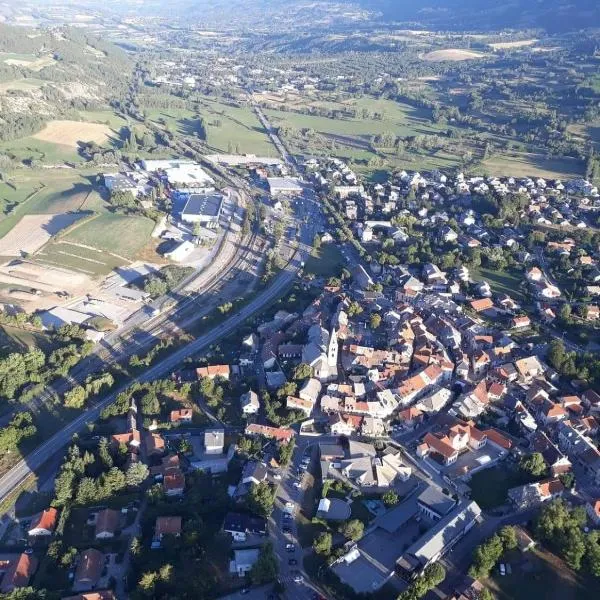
x=552, y=15
x=47, y=74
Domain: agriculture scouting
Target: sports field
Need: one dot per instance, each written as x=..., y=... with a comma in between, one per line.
x=122, y=235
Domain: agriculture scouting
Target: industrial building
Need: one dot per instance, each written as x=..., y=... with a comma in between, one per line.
x=284, y=185
x=204, y=209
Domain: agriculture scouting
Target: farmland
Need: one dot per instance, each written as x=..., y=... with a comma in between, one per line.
x=72, y=133
x=451, y=54
x=120, y=235
x=533, y=165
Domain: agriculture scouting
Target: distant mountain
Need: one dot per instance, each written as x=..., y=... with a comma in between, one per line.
x=552, y=15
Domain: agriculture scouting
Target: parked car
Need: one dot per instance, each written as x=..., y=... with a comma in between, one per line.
x=292, y=561
x=290, y=547
x=502, y=569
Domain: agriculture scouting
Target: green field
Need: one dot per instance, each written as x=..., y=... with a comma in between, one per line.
x=540, y=575
x=123, y=235
x=489, y=487
x=533, y=165
x=325, y=262
x=238, y=126
x=502, y=282
x=86, y=260
x=58, y=191
x=107, y=117
x=14, y=339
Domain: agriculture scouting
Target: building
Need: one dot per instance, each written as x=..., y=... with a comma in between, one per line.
x=438, y=540
x=240, y=525
x=284, y=185
x=107, y=523
x=165, y=526
x=44, y=523
x=243, y=561
x=89, y=570
x=434, y=504
x=204, y=209
x=281, y=434
x=533, y=494
x=183, y=415
x=249, y=403
x=213, y=371
x=16, y=571
x=95, y=595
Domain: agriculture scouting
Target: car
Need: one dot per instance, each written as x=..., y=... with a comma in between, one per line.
x=306, y=460
x=289, y=507
x=290, y=548
x=245, y=591
x=298, y=578
x=287, y=517
x=502, y=569
x=297, y=485
x=28, y=550
x=277, y=477
x=292, y=562
x=286, y=529
x=303, y=467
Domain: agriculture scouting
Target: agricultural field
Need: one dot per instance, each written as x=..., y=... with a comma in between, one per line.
x=123, y=236
x=21, y=85
x=33, y=231
x=511, y=45
x=28, y=61
x=72, y=133
x=53, y=191
x=234, y=125
x=452, y=55
x=534, y=165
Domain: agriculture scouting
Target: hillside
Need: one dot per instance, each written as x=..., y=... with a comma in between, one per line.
x=552, y=15
x=46, y=74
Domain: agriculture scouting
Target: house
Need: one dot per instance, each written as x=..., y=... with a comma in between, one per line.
x=89, y=570
x=310, y=390
x=155, y=444
x=411, y=417
x=183, y=415
x=533, y=494
x=249, y=403
x=592, y=508
x=214, y=441
x=44, y=523
x=243, y=561
x=482, y=304
x=435, y=504
x=213, y=371
x=240, y=525
x=254, y=472
x=305, y=406
x=524, y=541
x=344, y=424
x=529, y=368
x=95, y=595
x=16, y=570
x=552, y=412
x=372, y=427
x=165, y=526
x=132, y=439
x=522, y=322
x=174, y=483
x=107, y=523
x=281, y=434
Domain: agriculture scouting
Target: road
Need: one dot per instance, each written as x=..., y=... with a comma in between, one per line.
x=41, y=454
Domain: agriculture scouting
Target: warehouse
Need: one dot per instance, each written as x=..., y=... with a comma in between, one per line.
x=284, y=185
x=204, y=209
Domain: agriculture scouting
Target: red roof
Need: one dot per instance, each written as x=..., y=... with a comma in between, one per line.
x=183, y=414
x=549, y=487
x=439, y=446
x=278, y=433
x=19, y=572
x=483, y=304
x=45, y=520
x=174, y=480
x=497, y=438
x=167, y=525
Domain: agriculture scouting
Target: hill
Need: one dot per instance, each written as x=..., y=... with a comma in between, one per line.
x=50, y=74
x=551, y=15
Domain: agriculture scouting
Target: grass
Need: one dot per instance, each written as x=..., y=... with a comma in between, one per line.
x=46, y=192
x=87, y=260
x=543, y=576
x=14, y=339
x=239, y=127
x=524, y=164
x=489, y=487
x=325, y=262
x=120, y=234
x=502, y=282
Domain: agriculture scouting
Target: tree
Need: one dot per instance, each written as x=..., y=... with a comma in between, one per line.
x=375, y=320
x=390, y=498
x=533, y=464
x=104, y=453
x=352, y=530
x=354, y=309
x=593, y=553
x=322, y=544
x=150, y=404
x=286, y=451
x=148, y=582
x=265, y=569
x=75, y=398
x=155, y=286
x=508, y=535
x=136, y=474
x=260, y=499
x=302, y=371
x=485, y=594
